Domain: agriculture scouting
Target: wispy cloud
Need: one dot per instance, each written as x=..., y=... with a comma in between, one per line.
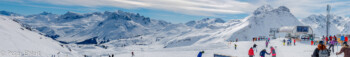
x=300, y=8
x=191, y=7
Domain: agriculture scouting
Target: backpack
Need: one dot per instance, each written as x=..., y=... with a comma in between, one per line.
x=323, y=53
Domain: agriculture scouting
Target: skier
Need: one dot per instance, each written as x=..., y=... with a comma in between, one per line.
x=284, y=42
x=294, y=42
x=346, y=39
x=263, y=52
x=321, y=50
x=236, y=39
x=335, y=38
x=253, y=39
x=132, y=54
x=288, y=42
x=235, y=46
x=330, y=38
x=251, y=52
x=326, y=39
x=267, y=43
x=254, y=46
x=312, y=42
x=273, y=52
x=344, y=49
x=331, y=45
x=342, y=38
x=200, y=54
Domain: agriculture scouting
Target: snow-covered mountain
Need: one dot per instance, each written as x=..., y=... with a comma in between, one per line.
x=318, y=23
x=206, y=23
x=20, y=41
x=259, y=24
x=93, y=28
x=121, y=27
x=346, y=29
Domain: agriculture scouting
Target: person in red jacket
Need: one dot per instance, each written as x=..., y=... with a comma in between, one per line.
x=326, y=40
x=330, y=38
x=335, y=38
x=251, y=52
x=312, y=42
x=346, y=39
x=273, y=52
x=294, y=42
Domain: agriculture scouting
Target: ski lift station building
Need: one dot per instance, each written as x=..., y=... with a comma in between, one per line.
x=293, y=31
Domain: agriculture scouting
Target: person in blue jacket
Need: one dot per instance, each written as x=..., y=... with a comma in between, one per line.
x=200, y=54
x=263, y=52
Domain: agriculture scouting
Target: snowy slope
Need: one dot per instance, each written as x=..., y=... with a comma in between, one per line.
x=301, y=49
x=19, y=41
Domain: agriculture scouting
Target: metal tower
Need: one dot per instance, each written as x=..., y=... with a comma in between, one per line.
x=328, y=16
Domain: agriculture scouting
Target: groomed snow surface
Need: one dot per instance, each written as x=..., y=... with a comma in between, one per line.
x=301, y=49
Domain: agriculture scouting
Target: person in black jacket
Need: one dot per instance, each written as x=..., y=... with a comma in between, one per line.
x=255, y=47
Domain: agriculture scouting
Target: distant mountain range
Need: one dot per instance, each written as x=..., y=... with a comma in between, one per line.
x=123, y=28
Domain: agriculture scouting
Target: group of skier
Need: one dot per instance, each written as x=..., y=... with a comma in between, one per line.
x=289, y=42
x=259, y=39
x=322, y=51
x=262, y=52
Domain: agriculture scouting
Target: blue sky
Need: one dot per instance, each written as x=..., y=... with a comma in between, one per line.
x=176, y=11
